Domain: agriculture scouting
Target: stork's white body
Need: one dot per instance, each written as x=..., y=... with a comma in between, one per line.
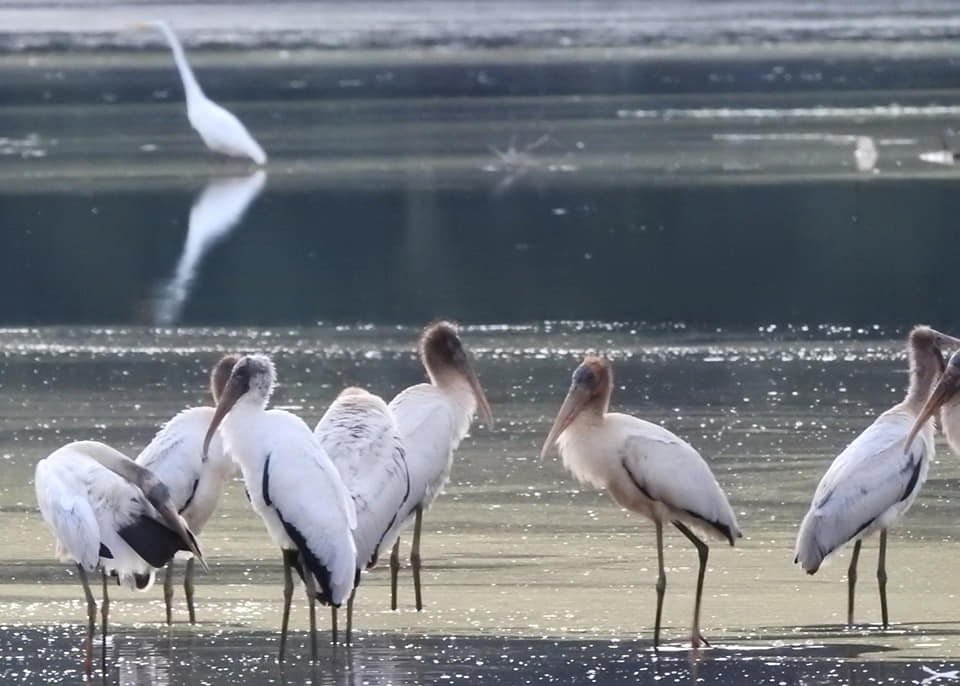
x=294, y=487
x=86, y=505
x=648, y=470
x=433, y=420
x=175, y=455
x=220, y=130
x=360, y=436
x=869, y=486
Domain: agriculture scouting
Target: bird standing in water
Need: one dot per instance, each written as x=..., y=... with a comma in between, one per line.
x=875, y=480
x=196, y=482
x=433, y=418
x=108, y=513
x=644, y=468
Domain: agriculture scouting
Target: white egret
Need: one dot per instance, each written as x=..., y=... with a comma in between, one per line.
x=433, y=418
x=217, y=210
x=874, y=481
x=293, y=486
x=196, y=482
x=644, y=468
x=108, y=513
x=360, y=435
x=219, y=128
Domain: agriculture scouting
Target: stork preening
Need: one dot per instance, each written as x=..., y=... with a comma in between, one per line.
x=196, y=481
x=875, y=480
x=109, y=513
x=644, y=468
x=360, y=435
x=433, y=418
x=219, y=128
x=293, y=486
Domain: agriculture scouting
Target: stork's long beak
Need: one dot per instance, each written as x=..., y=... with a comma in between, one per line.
x=231, y=394
x=945, y=340
x=483, y=407
x=575, y=401
x=945, y=389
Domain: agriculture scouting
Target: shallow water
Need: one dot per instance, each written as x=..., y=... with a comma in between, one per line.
x=544, y=175
x=520, y=561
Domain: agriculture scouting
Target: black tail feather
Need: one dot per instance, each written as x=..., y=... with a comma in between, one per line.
x=152, y=541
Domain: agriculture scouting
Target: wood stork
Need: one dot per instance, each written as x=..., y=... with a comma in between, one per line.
x=874, y=481
x=945, y=400
x=433, y=418
x=108, y=513
x=196, y=482
x=644, y=468
x=293, y=486
x=219, y=128
x=360, y=435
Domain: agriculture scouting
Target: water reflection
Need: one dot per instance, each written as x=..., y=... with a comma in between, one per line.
x=215, y=212
x=154, y=657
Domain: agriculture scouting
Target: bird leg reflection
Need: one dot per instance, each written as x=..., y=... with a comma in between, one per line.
x=852, y=581
x=168, y=591
x=288, y=557
x=91, y=619
x=882, y=576
x=188, y=589
x=703, y=550
x=394, y=572
x=661, y=583
x=415, y=557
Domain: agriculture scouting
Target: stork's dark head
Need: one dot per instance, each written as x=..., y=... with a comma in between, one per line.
x=444, y=357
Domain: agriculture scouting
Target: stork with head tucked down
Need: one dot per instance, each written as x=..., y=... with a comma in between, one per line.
x=196, y=482
x=644, y=468
x=360, y=435
x=109, y=513
x=946, y=401
x=875, y=480
x=433, y=418
x=293, y=486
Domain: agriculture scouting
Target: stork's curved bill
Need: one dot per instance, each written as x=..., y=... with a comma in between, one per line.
x=946, y=388
x=577, y=398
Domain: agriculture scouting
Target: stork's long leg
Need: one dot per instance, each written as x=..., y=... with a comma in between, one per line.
x=334, y=630
x=852, y=581
x=188, y=589
x=394, y=572
x=353, y=593
x=288, y=557
x=91, y=619
x=311, y=586
x=105, y=611
x=415, y=557
x=882, y=576
x=168, y=590
x=703, y=550
x=661, y=583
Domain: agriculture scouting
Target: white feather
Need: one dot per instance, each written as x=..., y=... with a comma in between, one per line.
x=301, y=487
x=432, y=422
x=175, y=455
x=647, y=469
x=865, y=488
x=362, y=439
x=86, y=504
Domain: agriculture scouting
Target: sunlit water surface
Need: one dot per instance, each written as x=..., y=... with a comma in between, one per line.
x=528, y=576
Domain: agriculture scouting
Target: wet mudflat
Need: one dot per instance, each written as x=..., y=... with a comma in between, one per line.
x=525, y=571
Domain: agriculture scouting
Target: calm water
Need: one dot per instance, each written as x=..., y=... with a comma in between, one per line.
x=542, y=172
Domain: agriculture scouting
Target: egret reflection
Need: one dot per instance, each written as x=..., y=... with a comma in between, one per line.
x=217, y=210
